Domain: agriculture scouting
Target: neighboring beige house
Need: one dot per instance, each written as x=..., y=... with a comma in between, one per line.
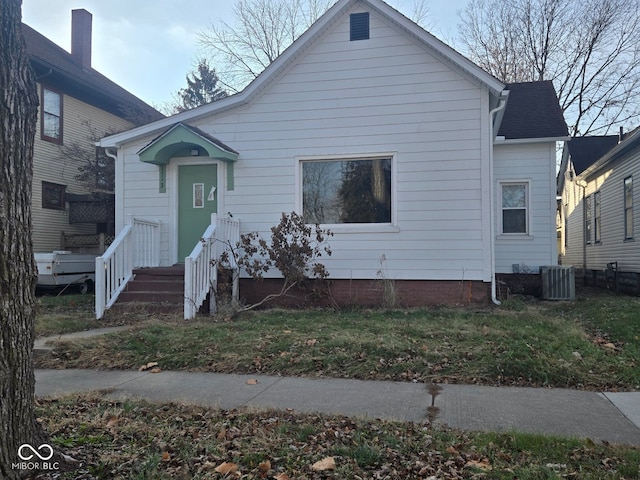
x=78, y=105
x=599, y=219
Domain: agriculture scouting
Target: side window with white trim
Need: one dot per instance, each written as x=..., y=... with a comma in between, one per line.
x=514, y=208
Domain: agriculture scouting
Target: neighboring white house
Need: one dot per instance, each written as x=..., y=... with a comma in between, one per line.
x=598, y=217
x=376, y=129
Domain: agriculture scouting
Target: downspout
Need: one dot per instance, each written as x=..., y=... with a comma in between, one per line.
x=112, y=156
x=584, y=228
x=492, y=234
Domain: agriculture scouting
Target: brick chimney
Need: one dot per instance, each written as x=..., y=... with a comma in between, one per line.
x=81, y=37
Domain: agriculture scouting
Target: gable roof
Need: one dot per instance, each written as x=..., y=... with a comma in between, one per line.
x=532, y=111
x=278, y=66
x=630, y=142
x=585, y=151
x=56, y=67
x=180, y=137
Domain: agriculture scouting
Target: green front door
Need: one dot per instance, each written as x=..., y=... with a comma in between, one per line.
x=197, y=200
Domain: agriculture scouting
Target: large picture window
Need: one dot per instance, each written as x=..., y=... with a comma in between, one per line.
x=515, y=205
x=51, y=115
x=347, y=191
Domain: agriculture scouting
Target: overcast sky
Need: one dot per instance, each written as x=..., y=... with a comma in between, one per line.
x=148, y=46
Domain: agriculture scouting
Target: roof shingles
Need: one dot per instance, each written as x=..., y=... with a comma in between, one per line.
x=57, y=65
x=532, y=111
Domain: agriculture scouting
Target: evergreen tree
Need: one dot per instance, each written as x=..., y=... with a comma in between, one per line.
x=203, y=86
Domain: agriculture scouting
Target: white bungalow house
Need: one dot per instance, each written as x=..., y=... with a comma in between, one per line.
x=465, y=165
x=597, y=209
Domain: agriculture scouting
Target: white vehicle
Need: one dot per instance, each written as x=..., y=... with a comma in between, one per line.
x=62, y=268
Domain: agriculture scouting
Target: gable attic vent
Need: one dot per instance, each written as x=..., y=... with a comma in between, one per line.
x=359, y=23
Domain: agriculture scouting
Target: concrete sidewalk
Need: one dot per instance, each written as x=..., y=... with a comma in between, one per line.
x=610, y=417
x=43, y=343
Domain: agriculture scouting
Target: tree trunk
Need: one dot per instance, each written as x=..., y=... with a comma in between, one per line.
x=18, y=113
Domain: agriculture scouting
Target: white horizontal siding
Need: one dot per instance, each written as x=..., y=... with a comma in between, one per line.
x=341, y=98
x=535, y=164
x=573, y=229
x=613, y=246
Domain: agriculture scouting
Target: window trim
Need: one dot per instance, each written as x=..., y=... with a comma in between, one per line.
x=527, y=233
x=628, y=232
x=597, y=217
x=566, y=224
x=588, y=219
x=61, y=204
x=352, y=227
x=43, y=136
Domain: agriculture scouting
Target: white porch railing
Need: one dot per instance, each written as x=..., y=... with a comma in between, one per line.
x=227, y=236
x=137, y=245
x=200, y=270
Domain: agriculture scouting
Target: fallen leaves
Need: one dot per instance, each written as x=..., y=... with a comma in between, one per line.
x=112, y=421
x=194, y=442
x=151, y=366
x=264, y=468
x=327, y=463
x=482, y=464
x=226, y=468
x=607, y=344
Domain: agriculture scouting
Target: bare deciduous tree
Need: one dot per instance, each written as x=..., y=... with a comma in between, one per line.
x=590, y=49
x=261, y=31
x=18, y=113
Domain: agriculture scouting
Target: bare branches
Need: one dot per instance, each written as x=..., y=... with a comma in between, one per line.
x=590, y=49
x=295, y=249
x=262, y=30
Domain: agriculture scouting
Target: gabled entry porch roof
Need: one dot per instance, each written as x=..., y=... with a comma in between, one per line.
x=180, y=140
